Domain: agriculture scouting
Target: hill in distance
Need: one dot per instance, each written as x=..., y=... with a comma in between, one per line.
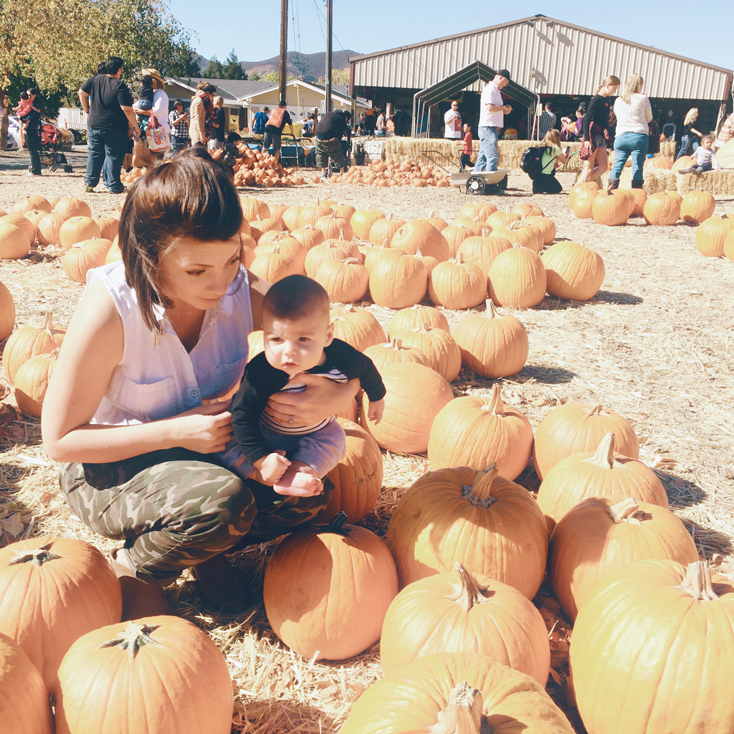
x=307, y=66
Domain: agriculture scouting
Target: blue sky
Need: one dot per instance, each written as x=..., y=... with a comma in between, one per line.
x=253, y=28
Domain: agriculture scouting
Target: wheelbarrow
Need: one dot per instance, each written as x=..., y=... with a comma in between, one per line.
x=484, y=182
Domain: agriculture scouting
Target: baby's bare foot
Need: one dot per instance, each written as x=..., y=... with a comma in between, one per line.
x=295, y=482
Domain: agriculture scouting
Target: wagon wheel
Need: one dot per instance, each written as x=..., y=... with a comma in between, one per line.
x=475, y=185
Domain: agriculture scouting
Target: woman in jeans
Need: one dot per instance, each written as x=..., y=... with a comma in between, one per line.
x=596, y=131
x=690, y=136
x=179, y=122
x=634, y=113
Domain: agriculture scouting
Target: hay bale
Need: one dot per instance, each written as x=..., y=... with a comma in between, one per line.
x=654, y=181
x=718, y=183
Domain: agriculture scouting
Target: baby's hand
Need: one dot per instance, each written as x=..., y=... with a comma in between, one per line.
x=272, y=467
x=377, y=408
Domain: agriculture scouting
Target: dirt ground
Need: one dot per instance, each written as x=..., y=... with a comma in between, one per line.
x=654, y=345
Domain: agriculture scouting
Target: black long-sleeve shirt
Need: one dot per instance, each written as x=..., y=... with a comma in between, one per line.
x=598, y=112
x=261, y=380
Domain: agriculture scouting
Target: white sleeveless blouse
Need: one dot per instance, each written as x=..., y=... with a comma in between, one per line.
x=158, y=378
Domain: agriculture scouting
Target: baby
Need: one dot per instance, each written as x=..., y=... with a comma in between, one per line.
x=704, y=156
x=298, y=338
x=24, y=107
x=144, y=102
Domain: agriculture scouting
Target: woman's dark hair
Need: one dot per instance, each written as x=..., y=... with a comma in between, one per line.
x=296, y=296
x=35, y=91
x=190, y=195
x=206, y=87
x=113, y=65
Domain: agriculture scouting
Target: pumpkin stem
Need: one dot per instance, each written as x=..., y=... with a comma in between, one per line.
x=337, y=525
x=596, y=410
x=491, y=309
x=604, y=456
x=133, y=638
x=624, y=510
x=479, y=493
x=468, y=593
x=39, y=556
x=396, y=343
x=698, y=582
x=463, y=713
x=496, y=406
x=48, y=323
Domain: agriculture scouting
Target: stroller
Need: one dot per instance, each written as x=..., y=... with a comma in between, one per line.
x=51, y=156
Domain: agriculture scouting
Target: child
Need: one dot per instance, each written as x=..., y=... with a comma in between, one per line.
x=466, y=148
x=144, y=102
x=546, y=182
x=24, y=110
x=298, y=339
x=704, y=156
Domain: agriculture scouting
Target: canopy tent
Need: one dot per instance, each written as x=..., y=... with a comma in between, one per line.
x=460, y=80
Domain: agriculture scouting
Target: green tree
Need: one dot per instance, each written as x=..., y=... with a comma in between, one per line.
x=232, y=68
x=214, y=70
x=60, y=43
x=254, y=76
x=338, y=76
x=270, y=76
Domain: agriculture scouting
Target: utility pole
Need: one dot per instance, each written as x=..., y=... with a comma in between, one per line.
x=329, y=21
x=283, y=46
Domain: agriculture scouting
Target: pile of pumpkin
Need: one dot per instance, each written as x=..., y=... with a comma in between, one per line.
x=482, y=252
x=263, y=169
x=61, y=636
x=392, y=173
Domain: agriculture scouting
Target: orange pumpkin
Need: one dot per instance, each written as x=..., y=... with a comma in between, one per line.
x=340, y=580
x=31, y=203
x=68, y=207
x=476, y=431
x=697, y=206
x=344, y=280
x=53, y=591
x=573, y=271
x=659, y=162
x=415, y=395
x=662, y=209
x=517, y=278
x=601, y=534
x=308, y=236
x=329, y=250
x=362, y=221
x=29, y=341
x=23, y=223
x=7, y=313
x=383, y=230
x=274, y=266
x=593, y=474
x=483, y=250
x=487, y=523
x=492, y=345
x=83, y=256
x=711, y=233
x=456, y=284
x=459, y=612
x=439, y=347
x=14, y=243
x=78, y=229
x=165, y=658
x=398, y=280
x=392, y=352
x=610, y=208
x=357, y=327
x=582, y=202
x=418, y=234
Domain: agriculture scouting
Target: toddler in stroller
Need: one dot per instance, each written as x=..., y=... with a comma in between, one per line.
x=51, y=156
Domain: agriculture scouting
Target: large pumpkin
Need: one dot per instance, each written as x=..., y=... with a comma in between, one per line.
x=652, y=651
x=610, y=208
x=711, y=233
x=14, y=243
x=483, y=250
x=574, y=428
x=602, y=534
x=572, y=271
x=383, y=230
x=31, y=382
x=357, y=327
x=697, y=206
x=662, y=209
x=455, y=284
x=476, y=431
x=48, y=230
x=326, y=590
x=77, y=229
x=491, y=344
x=398, y=280
x=603, y=472
x=24, y=704
x=392, y=352
x=491, y=525
x=455, y=693
x=415, y=395
x=439, y=347
x=82, y=257
x=410, y=318
x=418, y=234
x=155, y=674
x=357, y=478
x=517, y=278
x=7, y=313
x=344, y=280
x=458, y=612
x=53, y=591
x=68, y=206
x=362, y=221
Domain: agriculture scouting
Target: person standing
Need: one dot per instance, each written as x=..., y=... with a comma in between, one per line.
x=547, y=120
x=260, y=120
x=109, y=104
x=159, y=110
x=452, y=122
x=179, y=122
x=33, y=132
x=690, y=136
x=596, y=131
x=201, y=111
x=467, y=146
x=328, y=134
x=492, y=111
x=219, y=133
x=274, y=129
x=634, y=115
x=726, y=133
x=380, y=124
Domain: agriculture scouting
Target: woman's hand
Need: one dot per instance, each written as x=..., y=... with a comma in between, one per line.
x=322, y=399
x=205, y=429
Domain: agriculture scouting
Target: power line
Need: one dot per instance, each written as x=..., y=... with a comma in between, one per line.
x=321, y=16
x=296, y=26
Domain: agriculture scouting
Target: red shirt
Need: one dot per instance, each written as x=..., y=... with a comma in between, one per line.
x=467, y=144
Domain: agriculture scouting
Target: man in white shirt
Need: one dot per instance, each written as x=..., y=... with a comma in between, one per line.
x=452, y=122
x=492, y=113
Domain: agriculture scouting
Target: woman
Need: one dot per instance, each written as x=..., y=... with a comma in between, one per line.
x=159, y=111
x=634, y=115
x=33, y=133
x=139, y=411
x=596, y=131
x=179, y=123
x=546, y=182
x=202, y=113
x=690, y=137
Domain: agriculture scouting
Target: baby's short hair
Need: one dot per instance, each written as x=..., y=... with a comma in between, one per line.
x=296, y=296
x=710, y=138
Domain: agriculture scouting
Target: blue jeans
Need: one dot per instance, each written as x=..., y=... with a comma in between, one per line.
x=107, y=150
x=489, y=156
x=626, y=145
x=685, y=141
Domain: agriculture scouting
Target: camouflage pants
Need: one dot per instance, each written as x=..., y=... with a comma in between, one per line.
x=175, y=508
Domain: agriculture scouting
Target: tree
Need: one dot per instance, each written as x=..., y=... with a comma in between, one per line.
x=270, y=76
x=338, y=76
x=232, y=68
x=254, y=76
x=60, y=44
x=214, y=70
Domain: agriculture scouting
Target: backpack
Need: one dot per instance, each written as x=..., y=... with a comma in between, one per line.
x=531, y=159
